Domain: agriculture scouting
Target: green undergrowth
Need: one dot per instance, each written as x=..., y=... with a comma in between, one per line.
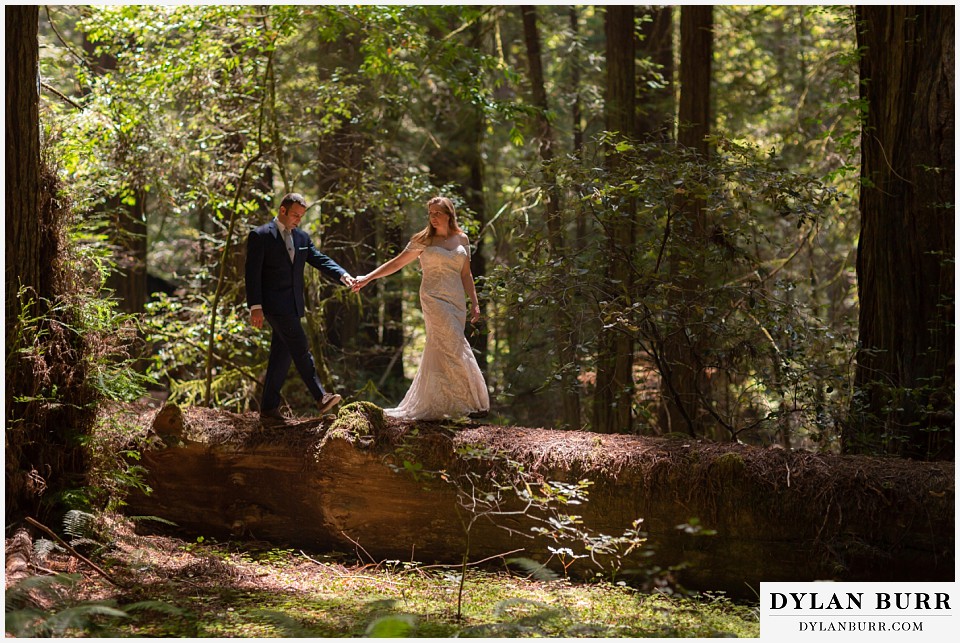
x=215, y=590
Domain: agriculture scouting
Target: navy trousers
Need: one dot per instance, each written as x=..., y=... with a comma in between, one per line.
x=288, y=344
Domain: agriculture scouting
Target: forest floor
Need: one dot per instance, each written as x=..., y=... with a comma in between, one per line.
x=169, y=587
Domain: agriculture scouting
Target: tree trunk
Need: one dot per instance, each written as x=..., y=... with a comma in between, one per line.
x=905, y=261
x=48, y=395
x=656, y=104
x=565, y=332
x=391, y=317
x=475, y=197
x=23, y=266
x=778, y=515
x=576, y=118
x=680, y=408
x=613, y=399
x=344, y=325
x=129, y=239
x=696, y=69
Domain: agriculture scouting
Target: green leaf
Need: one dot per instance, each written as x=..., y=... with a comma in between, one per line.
x=392, y=626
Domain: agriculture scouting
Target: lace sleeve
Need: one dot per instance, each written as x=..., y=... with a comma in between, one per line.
x=413, y=246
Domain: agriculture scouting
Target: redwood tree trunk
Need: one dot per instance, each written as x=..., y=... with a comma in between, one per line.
x=680, y=409
x=475, y=196
x=696, y=69
x=345, y=327
x=23, y=267
x=613, y=400
x=576, y=118
x=656, y=104
x=49, y=399
x=905, y=260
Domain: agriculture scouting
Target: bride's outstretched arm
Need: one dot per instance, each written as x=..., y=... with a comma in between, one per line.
x=386, y=269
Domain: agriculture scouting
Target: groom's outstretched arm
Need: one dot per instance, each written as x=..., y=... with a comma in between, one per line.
x=327, y=266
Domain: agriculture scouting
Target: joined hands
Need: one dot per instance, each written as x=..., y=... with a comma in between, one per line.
x=360, y=282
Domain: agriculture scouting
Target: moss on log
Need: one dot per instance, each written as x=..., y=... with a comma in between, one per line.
x=358, y=483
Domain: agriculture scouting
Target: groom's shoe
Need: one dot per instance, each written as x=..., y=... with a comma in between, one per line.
x=327, y=402
x=272, y=415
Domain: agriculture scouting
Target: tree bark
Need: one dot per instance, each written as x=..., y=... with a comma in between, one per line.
x=696, y=70
x=18, y=553
x=905, y=260
x=656, y=104
x=475, y=196
x=49, y=396
x=544, y=135
x=778, y=515
x=345, y=330
x=681, y=405
x=576, y=118
x=613, y=399
x=22, y=266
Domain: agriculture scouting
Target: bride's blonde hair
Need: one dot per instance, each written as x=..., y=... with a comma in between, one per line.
x=426, y=235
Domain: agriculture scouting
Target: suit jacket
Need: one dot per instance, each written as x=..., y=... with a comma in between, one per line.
x=272, y=280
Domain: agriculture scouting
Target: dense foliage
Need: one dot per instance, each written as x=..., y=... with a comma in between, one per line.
x=202, y=115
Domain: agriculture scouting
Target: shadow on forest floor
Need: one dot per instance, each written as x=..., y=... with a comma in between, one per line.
x=255, y=589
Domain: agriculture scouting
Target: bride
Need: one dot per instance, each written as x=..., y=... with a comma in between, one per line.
x=448, y=383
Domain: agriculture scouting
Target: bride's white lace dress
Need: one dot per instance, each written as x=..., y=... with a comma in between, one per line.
x=448, y=383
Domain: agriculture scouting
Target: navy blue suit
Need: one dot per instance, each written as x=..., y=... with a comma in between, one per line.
x=276, y=284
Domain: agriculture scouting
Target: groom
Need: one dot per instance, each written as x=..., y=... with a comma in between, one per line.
x=277, y=253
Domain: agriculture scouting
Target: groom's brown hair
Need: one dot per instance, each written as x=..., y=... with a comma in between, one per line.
x=291, y=198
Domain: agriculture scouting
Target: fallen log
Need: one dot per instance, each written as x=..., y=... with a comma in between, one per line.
x=363, y=483
x=18, y=551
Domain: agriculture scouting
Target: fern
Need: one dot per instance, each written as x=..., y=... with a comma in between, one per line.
x=26, y=618
x=154, y=606
x=42, y=548
x=23, y=622
x=80, y=617
x=80, y=526
x=162, y=521
x=22, y=593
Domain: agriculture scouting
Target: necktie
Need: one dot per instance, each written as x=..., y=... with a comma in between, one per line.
x=288, y=240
